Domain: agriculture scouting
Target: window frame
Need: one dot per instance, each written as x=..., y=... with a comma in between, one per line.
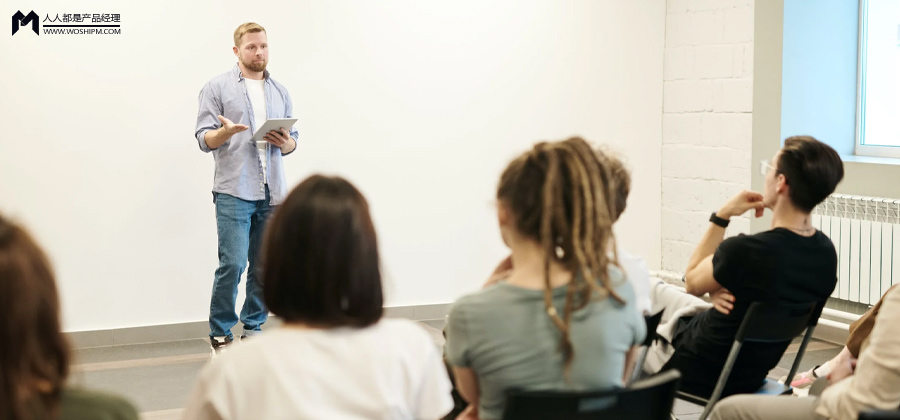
x=861, y=149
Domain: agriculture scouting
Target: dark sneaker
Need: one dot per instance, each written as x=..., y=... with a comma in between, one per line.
x=218, y=346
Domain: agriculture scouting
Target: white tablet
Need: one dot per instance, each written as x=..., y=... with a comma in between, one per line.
x=275, y=124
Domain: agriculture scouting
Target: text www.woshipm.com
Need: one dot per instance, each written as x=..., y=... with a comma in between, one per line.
x=82, y=31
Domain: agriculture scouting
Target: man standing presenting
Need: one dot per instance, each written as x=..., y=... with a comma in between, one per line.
x=249, y=178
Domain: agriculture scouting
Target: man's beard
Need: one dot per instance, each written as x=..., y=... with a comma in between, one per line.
x=256, y=66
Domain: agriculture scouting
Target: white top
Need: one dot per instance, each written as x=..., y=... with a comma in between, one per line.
x=256, y=89
x=639, y=276
x=391, y=370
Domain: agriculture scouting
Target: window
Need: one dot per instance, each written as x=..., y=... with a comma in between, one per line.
x=878, y=104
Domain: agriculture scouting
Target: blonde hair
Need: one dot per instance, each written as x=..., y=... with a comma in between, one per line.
x=246, y=28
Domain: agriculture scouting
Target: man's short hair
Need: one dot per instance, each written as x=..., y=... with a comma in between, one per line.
x=246, y=28
x=812, y=170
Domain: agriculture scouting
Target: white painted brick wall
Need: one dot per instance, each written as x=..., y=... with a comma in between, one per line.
x=718, y=164
x=713, y=61
x=707, y=119
x=738, y=24
x=733, y=95
x=730, y=130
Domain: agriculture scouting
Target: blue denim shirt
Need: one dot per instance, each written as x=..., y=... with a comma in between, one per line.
x=238, y=169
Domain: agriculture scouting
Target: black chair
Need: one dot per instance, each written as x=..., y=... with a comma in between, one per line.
x=652, y=323
x=765, y=323
x=880, y=415
x=649, y=399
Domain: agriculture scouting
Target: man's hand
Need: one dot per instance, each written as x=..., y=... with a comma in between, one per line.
x=218, y=137
x=722, y=300
x=230, y=128
x=739, y=204
x=503, y=270
x=278, y=138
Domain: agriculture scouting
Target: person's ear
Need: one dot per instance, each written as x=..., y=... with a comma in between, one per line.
x=503, y=214
x=781, y=184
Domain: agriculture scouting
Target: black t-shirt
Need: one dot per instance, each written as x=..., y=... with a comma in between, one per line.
x=773, y=266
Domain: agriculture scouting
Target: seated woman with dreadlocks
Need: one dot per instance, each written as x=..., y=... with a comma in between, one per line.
x=565, y=318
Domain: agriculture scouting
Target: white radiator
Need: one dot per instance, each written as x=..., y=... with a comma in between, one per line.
x=866, y=235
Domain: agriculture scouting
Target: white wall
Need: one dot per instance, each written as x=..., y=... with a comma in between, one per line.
x=421, y=104
x=707, y=116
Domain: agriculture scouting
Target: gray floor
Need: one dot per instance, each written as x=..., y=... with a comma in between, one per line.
x=158, y=377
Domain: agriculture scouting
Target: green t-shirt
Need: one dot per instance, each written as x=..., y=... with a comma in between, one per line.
x=81, y=404
x=504, y=334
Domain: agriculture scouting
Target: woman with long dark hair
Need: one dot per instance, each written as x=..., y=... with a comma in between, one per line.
x=34, y=355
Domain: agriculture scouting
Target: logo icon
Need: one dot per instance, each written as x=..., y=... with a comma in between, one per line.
x=19, y=19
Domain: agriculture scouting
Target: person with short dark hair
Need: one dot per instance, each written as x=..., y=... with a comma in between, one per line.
x=335, y=357
x=35, y=357
x=790, y=263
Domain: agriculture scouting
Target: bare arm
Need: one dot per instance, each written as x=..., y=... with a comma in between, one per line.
x=218, y=137
x=467, y=384
x=698, y=277
x=630, y=357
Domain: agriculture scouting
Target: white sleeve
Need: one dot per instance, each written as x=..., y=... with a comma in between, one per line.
x=208, y=400
x=432, y=397
x=639, y=276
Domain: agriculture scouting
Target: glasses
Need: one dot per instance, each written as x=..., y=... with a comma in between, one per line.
x=765, y=166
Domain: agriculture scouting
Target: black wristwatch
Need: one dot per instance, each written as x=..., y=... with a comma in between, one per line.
x=718, y=220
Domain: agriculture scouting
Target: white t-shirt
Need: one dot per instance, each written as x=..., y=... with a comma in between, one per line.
x=256, y=89
x=391, y=370
x=639, y=276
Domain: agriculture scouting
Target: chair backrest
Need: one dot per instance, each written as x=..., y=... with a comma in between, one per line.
x=649, y=399
x=777, y=322
x=880, y=415
x=768, y=323
x=652, y=323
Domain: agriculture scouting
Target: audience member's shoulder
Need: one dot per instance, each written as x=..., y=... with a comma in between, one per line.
x=786, y=235
x=617, y=274
x=620, y=284
x=477, y=304
x=86, y=404
x=743, y=242
x=487, y=295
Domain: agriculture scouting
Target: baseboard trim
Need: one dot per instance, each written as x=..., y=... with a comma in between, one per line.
x=832, y=331
x=827, y=330
x=200, y=329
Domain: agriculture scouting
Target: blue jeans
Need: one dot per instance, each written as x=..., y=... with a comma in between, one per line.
x=240, y=225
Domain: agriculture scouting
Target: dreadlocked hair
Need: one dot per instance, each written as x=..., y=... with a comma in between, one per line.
x=562, y=196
